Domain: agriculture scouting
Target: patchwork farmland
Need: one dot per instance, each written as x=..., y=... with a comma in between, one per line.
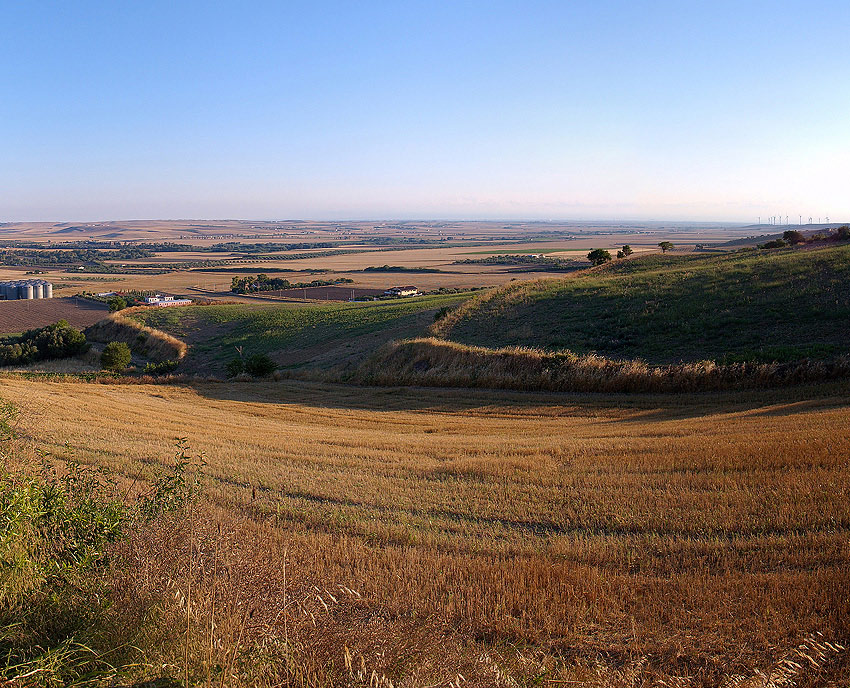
x=19, y=316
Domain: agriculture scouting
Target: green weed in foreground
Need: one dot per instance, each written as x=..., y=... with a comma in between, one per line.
x=56, y=530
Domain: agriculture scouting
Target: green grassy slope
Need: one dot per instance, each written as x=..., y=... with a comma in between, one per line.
x=295, y=336
x=762, y=306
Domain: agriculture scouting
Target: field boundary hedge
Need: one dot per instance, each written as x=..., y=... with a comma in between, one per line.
x=434, y=362
x=147, y=341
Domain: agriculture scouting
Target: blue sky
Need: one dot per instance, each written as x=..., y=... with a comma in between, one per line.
x=539, y=110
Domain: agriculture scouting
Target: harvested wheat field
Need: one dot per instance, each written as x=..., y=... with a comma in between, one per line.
x=448, y=537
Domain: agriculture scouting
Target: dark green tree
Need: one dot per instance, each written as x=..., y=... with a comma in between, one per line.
x=116, y=303
x=665, y=246
x=598, y=256
x=260, y=365
x=115, y=356
x=627, y=250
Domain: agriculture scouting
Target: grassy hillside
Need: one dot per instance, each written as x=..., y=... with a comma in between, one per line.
x=754, y=306
x=295, y=336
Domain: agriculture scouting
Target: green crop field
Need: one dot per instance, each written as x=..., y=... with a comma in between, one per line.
x=296, y=336
x=761, y=306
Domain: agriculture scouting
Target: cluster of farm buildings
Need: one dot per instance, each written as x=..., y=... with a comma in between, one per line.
x=402, y=291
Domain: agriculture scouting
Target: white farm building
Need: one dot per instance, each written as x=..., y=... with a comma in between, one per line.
x=402, y=291
x=157, y=300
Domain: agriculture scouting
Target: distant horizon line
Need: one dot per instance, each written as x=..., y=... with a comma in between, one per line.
x=401, y=219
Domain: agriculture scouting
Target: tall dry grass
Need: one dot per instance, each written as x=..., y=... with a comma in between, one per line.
x=440, y=363
x=503, y=537
x=147, y=341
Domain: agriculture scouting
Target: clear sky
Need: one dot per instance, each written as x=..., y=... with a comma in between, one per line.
x=691, y=110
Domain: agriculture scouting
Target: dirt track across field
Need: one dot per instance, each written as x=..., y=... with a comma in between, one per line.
x=22, y=315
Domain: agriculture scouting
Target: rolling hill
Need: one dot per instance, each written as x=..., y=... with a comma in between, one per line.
x=746, y=306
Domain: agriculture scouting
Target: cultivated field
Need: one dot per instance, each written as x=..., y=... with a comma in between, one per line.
x=21, y=315
x=513, y=539
x=328, y=336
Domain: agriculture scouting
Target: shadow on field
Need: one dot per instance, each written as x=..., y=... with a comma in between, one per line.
x=636, y=408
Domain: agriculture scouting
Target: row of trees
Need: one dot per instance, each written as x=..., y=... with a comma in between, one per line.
x=599, y=256
x=793, y=237
x=262, y=282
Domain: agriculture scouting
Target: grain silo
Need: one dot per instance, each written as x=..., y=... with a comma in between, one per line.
x=26, y=289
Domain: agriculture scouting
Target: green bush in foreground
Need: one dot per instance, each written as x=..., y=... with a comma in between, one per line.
x=115, y=356
x=59, y=340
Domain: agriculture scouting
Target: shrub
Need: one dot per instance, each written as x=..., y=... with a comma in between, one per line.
x=260, y=365
x=161, y=368
x=116, y=303
x=598, y=256
x=57, y=531
x=115, y=356
x=234, y=367
x=442, y=313
x=54, y=534
x=842, y=233
x=59, y=340
x=792, y=236
x=776, y=243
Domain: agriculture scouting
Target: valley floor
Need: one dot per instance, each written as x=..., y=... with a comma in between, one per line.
x=696, y=536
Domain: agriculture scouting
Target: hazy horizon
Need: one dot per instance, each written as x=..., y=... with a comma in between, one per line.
x=475, y=110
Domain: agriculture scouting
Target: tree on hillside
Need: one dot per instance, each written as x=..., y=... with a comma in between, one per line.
x=665, y=246
x=116, y=303
x=627, y=250
x=598, y=256
x=792, y=236
x=115, y=356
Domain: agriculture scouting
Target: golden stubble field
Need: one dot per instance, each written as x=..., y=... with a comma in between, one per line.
x=698, y=536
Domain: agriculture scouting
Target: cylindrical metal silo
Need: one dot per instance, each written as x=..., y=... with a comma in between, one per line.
x=37, y=290
x=26, y=290
x=48, y=290
x=11, y=291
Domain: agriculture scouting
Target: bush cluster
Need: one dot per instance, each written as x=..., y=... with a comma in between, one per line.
x=258, y=365
x=116, y=356
x=59, y=340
